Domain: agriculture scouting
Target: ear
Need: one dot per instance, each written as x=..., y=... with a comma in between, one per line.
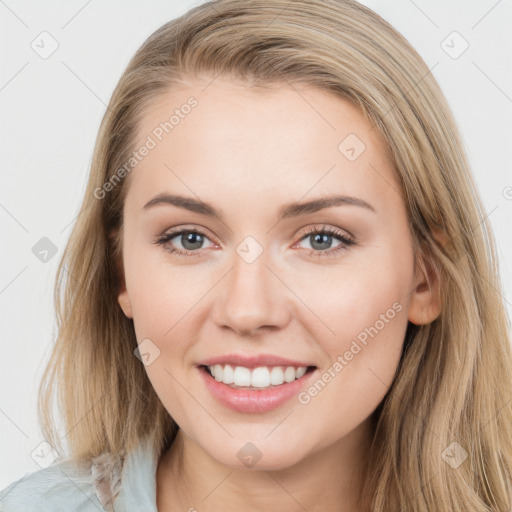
x=124, y=301
x=425, y=304
x=123, y=297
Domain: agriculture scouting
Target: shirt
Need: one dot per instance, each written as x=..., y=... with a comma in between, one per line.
x=66, y=486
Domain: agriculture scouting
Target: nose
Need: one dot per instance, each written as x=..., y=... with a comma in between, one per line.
x=252, y=298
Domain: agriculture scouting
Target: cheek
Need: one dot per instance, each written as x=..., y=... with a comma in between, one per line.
x=363, y=356
x=163, y=294
x=363, y=309
x=351, y=299
x=363, y=313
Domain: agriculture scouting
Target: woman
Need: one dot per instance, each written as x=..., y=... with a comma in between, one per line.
x=280, y=293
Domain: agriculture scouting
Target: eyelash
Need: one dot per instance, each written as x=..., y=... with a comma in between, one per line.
x=326, y=230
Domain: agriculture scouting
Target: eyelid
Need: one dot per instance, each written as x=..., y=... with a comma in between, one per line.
x=192, y=229
x=332, y=230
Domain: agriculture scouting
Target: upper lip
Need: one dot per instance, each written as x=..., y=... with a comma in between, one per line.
x=253, y=361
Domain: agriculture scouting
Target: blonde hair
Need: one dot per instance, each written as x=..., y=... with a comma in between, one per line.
x=453, y=383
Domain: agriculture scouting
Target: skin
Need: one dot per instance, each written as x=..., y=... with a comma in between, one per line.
x=248, y=152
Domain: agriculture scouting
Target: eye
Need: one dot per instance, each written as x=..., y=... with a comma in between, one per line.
x=187, y=242
x=321, y=240
x=182, y=242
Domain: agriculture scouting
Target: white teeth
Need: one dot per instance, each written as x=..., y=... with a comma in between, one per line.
x=218, y=372
x=228, y=377
x=260, y=377
x=289, y=374
x=242, y=376
x=276, y=376
x=299, y=372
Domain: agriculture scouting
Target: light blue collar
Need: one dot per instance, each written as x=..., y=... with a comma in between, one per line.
x=138, y=481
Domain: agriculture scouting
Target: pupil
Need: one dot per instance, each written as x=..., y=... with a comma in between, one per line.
x=193, y=239
x=321, y=238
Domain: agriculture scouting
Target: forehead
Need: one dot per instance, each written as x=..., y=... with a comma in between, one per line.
x=224, y=138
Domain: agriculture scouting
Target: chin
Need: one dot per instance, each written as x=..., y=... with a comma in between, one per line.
x=257, y=455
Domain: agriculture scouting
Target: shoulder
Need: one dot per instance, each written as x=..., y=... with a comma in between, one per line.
x=96, y=485
x=66, y=485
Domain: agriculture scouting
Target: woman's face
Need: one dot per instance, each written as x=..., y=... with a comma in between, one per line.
x=256, y=276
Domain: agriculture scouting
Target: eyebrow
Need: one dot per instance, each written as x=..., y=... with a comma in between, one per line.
x=286, y=212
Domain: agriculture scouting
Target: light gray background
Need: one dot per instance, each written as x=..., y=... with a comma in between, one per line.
x=50, y=113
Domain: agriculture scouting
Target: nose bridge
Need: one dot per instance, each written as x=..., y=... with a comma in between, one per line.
x=252, y=297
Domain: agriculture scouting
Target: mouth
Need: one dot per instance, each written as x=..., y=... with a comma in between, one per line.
x=256, y=379
x=259, y=389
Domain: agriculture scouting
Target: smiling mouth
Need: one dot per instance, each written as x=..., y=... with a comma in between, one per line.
x=256, y=379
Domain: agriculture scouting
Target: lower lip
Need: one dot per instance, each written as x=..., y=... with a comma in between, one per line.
x=254, y=401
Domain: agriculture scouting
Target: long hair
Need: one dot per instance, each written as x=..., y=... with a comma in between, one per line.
x=449, y=400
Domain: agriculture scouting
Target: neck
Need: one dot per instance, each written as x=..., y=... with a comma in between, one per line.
x=188, y=478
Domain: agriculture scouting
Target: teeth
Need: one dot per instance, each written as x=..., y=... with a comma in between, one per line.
x=242, y=376
x=261, y=377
